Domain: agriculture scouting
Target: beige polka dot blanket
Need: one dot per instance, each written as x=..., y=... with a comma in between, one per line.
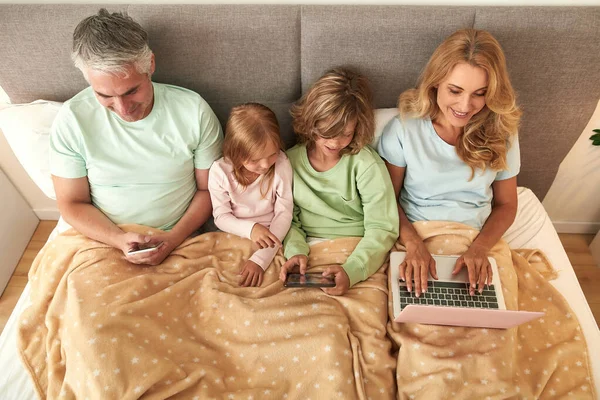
x=544, y=359
x=98, y=327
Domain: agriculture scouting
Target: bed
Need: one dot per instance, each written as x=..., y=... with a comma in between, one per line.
x=271, y=54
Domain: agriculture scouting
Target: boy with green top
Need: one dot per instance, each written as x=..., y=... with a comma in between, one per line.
x=341, y=186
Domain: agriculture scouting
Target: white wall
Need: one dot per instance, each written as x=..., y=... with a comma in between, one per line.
x=573, y=201
x=3, y=96
x=17, y=224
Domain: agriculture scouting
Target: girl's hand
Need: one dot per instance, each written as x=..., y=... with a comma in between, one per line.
x=417, y=264
x=251, y=274
x=263, y=237
x=478, y=266
x=342, y=281
x=299, y=260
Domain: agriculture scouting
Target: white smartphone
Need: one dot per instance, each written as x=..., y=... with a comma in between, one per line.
x=144, y=248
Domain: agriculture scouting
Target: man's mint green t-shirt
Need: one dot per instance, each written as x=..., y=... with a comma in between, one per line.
x=354, y=198
x=139, y=172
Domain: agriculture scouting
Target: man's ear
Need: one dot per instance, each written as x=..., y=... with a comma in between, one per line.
x=152, y=65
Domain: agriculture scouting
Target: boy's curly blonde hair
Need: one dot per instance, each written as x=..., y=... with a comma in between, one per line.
x=336, y=99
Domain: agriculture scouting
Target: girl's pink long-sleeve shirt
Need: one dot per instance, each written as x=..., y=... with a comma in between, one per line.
x=237, y=209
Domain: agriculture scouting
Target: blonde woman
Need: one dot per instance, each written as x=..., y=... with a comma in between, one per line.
x=341, y=186
x=251, y=186
x=453, y=153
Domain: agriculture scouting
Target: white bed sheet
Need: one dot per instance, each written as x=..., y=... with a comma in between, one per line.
x=532, y=229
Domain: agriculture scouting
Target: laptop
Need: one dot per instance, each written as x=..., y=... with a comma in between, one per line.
x=448, y=302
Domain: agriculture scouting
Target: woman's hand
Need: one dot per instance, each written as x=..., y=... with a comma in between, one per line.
x=342, y=281
x=417, y=265
x=263, y=237
x=166, y=242
x=299, y=260
x=478, y=266
x=251, y=274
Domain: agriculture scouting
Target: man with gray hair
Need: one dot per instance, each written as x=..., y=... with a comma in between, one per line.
x=128, y=150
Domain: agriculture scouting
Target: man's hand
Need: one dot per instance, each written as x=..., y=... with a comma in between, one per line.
x=251, y=274
x=130, y=241
x=299, y=260
x=263, y=237
x=342, y=281
x=166, y=243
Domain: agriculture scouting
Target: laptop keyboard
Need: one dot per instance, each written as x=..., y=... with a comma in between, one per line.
x=449, y=294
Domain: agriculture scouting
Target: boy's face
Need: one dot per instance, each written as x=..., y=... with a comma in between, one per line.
x=333, y=146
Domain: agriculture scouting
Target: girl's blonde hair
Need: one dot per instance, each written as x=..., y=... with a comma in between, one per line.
x=485, y=138
x=249, y=129
x=336, y=99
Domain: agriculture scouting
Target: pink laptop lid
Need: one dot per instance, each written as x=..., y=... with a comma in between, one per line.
x=471, y=317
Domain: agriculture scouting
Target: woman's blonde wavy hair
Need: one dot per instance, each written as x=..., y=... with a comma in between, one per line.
x=249, y=129
x=485, y=138
x=336, y=99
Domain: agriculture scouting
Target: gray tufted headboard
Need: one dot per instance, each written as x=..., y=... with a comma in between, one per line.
x=270, y=53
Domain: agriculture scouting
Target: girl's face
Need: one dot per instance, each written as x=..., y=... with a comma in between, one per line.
x=462, y=94
x=260, y=162
x=333, y=146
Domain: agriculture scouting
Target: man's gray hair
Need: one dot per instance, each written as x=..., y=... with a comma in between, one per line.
x=110, y=43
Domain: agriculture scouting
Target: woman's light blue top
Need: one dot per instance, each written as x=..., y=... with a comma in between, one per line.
x=436, y=182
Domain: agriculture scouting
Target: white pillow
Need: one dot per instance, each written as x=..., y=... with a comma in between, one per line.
x=382, y=117
x=27, y=130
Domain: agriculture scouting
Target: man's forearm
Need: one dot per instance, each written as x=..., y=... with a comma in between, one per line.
x=198, y=212
x=91, y=222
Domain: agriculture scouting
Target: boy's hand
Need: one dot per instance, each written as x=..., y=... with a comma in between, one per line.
x=299, y=260
x=263, y=237
x=251, y=274
x=342, y=281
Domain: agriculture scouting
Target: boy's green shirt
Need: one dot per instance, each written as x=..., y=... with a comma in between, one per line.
x=354, y=198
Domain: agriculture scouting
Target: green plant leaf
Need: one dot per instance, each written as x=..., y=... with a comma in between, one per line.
x=595, y=136
x=596, y=130
x=596, y=142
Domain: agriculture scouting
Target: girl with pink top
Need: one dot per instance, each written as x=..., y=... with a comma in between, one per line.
x=251, y=186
